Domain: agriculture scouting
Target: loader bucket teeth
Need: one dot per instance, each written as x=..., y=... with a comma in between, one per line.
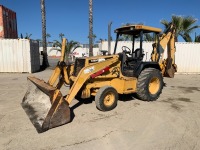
x=44, y=108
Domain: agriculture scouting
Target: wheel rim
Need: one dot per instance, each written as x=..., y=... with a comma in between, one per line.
x=109, y=99
x=154, y=85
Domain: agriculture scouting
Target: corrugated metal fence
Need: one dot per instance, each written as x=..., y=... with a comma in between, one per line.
x=187, y=54
x=188, y=57
x=19, y=55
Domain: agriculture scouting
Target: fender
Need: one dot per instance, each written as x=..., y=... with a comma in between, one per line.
x=142, y=65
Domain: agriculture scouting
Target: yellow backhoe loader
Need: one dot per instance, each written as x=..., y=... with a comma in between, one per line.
x=103, y=76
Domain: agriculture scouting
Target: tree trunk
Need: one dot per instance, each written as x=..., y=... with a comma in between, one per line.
x=45, y=62
x=109, y=38
x=90, y=28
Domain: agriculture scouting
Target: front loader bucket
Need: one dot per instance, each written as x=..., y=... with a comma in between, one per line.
x=44, y=105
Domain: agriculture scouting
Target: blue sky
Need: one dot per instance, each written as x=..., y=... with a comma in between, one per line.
x=71, y=16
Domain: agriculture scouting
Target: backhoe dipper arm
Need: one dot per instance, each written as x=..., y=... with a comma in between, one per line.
x=88, y=72
x=167, y=66
x=168, y=38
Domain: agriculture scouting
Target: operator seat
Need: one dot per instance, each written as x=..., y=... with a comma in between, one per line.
x=138, y=55
x=122, y=58
x=126, y=70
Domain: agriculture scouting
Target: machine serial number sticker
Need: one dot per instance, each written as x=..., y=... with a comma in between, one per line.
x=88, y=70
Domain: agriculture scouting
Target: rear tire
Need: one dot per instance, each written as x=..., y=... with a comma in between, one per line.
x=149, y=84
x=106, y=98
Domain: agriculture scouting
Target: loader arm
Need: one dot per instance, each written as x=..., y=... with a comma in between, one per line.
x=60, y=68
x=88, y=72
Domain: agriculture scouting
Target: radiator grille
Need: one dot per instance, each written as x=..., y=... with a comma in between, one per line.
x=79, y=64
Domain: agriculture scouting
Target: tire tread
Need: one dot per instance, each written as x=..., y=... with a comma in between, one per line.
x=143, y=82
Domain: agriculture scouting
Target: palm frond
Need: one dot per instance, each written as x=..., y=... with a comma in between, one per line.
x=165, y=23
x=197, y=38
x=56, y=43
x=184, y=26
x=54, y=48
x=177, y=20
x=69, y=47
x=188, y=23
x=190, y=30
x=148, y=37
x=75, y=48
x=186, y=37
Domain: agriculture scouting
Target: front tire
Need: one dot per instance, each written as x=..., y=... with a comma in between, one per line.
x=106, y=98
x=150, y=84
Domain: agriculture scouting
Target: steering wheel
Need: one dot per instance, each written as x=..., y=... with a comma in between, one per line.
x=126, y=49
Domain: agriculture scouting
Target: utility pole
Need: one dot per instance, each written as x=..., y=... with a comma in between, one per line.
x=109, y=38
x=45, y=62
x=90, y=28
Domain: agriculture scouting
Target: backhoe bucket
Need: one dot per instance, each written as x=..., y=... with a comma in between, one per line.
x=170, y=68
x=44, y=105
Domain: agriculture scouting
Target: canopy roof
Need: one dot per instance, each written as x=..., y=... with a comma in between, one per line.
x=135, y=29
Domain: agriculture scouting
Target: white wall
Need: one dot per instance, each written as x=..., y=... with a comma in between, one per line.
x=19, y=55
x=77, y=52
x=188, y=57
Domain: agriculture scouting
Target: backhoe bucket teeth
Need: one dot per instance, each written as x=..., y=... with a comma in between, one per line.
x=170, y=72
x=45, y=105
x=170, y=68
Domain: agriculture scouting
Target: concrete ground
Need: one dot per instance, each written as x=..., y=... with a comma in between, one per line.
x=172, y=122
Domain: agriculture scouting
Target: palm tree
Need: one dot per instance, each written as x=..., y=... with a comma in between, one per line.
x=90, y=28
x=197, y=38
x=61, y=35
x=184, y=26
x=45, y=62
x=69, y=47
x=148, y=37
x=27, y=36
